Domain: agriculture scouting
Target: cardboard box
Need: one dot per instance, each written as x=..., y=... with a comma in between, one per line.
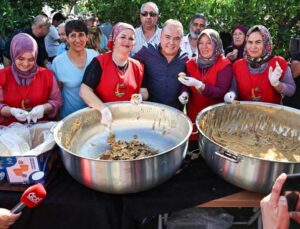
x=30, y=169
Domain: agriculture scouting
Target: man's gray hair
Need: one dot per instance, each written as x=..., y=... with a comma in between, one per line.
x=61, y=25
x=152, y=4
x=174, y=23
x=198, y=15
x=40, y=20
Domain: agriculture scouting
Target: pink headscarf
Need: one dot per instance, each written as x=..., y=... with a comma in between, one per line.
x=117, y=29
x=20, y=44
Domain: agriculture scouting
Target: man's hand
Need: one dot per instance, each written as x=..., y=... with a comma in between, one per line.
x=7, y=218
x=183, y=98
x=274, y=208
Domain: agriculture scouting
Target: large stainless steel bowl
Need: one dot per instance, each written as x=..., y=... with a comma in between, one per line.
x=251, y=173
x=82, y=138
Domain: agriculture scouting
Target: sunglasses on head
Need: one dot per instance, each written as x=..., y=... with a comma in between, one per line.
x=152, y=14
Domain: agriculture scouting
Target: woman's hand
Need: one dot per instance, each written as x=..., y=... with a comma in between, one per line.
x=229, y=97
x=106, y=116
x=191, y=81
x=232, y=55
x=19, y=114
x=7, y=218
x=136, y=99
x=37, y=113
x=274, y=76
x=274, y=207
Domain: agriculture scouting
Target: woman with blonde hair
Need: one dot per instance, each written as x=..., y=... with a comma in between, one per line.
x=94, y=39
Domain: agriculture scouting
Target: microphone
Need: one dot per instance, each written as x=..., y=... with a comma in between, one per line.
x=31, y=197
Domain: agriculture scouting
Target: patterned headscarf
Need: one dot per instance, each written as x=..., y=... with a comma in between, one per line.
x=218, y=48
x=241, y=48
x=116, y=30
x=20, y=44
x=267, y=50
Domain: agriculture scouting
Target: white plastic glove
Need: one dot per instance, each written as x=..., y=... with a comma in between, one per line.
x=136, y=99
x=37, y=113
x=190, y=81
x=275, y=75
x=229, y=97
x=183, y=98
x=106, y=116
x=19, y=114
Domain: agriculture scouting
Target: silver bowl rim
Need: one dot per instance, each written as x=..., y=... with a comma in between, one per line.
x=111, y=104
x=202, y=112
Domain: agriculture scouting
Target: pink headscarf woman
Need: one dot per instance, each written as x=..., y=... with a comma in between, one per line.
x=27, y=92
x=117, y=29
x=20, y=44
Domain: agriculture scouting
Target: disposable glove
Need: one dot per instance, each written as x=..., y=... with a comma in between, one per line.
x=190, y=81
x=136, y=99
x=275, y=75
x=37, y=113
x=106, y=116
x=19, y=114
x=183, y=98
x=229, y=97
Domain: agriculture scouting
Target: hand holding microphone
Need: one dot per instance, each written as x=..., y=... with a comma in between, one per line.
x=7, y=218
x=31, y=197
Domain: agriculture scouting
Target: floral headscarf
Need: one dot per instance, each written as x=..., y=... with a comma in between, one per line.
x=117, y=29
x=241, y=48
x=218, y=48
x=20, y=44
x=267, y=50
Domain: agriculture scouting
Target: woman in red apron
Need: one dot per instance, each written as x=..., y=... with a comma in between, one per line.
x=260, y=76
x=209, y=77
x=27, y=92
x=114, y=76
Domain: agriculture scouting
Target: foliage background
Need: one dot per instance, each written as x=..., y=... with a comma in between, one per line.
x=281, y=17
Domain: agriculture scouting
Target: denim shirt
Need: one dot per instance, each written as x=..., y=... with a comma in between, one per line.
x=161, y=77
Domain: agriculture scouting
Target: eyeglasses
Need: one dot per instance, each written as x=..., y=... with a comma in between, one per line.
x=152, y=14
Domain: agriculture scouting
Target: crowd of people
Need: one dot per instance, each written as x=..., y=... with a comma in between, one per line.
x=54, y=69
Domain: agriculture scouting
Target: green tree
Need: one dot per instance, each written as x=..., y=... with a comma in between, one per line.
x=16, y=14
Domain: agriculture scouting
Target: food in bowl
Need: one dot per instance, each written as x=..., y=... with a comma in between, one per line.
x=265, y=133
x=124, y=150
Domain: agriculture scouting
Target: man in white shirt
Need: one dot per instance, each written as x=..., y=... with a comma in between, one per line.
x=189, y=42
x=52, y=39
x=148, y=32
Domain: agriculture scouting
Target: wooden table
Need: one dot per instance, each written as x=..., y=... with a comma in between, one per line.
x=244, y=199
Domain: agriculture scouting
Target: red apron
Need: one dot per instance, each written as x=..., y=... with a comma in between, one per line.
x=257, y=87
x=25, y=97
x=115, y=85
x=198, y=101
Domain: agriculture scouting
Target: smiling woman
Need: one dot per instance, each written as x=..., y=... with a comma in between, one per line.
x=27, y=92
x=69, y=67
x=114, y=76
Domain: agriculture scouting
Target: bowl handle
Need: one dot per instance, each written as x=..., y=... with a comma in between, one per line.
x=228, y=156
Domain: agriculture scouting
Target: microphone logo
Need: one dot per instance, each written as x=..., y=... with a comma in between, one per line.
x=34, y=198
